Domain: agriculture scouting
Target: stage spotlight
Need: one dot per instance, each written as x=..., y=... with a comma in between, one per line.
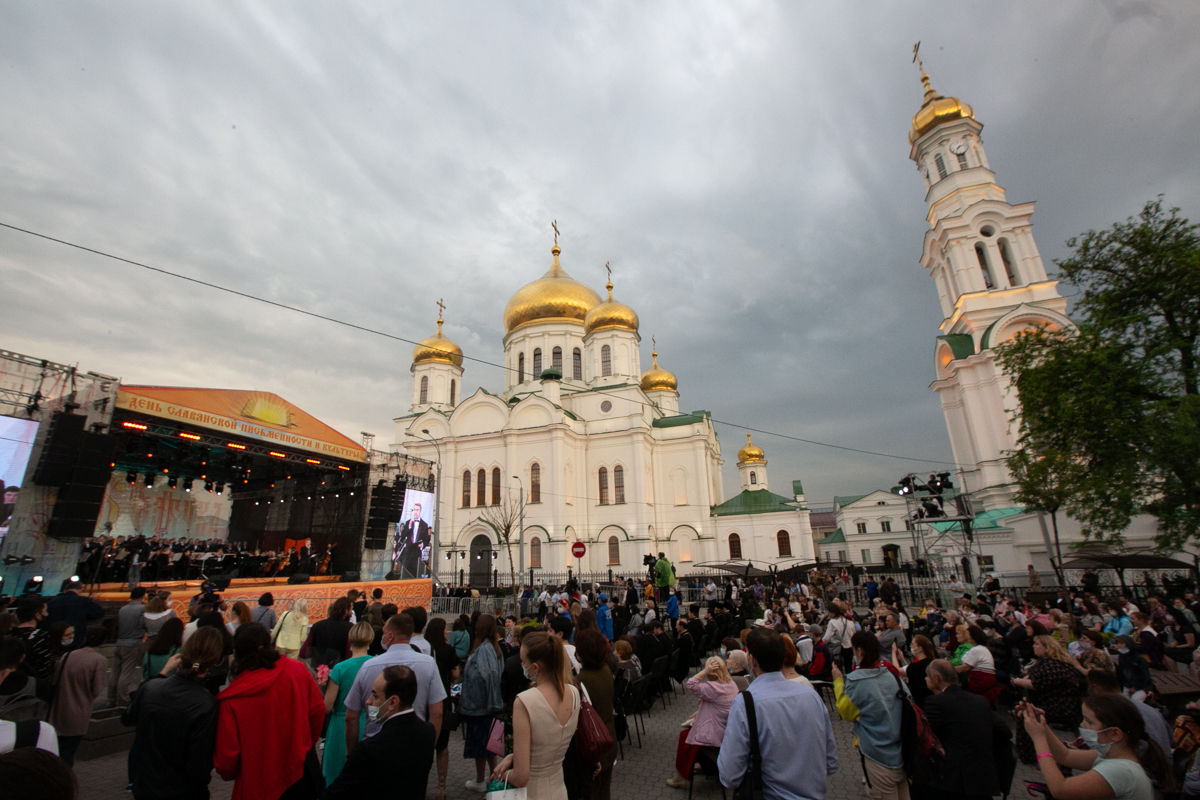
x=34, y=585
x=131, y=478
x=172, y=482
x=220, y=487
x=255, y=502
x=187, y=484
x=208, y=486
x=149, y=480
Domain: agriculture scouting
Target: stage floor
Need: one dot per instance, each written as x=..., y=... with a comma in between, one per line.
x=320, y=592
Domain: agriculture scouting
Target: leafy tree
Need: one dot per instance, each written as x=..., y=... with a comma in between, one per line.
x=505, y=518
x=1116, y=406
x=1045, y=483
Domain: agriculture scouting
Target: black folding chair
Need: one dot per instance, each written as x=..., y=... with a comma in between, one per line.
x=658, y=671
x=631, y=703
x=707, y=759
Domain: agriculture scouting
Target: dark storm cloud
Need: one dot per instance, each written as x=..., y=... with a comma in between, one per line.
x=743, y=166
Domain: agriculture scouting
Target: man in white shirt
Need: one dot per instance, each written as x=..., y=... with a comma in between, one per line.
x=561, y=627
x=710, y=591
x=957, y=588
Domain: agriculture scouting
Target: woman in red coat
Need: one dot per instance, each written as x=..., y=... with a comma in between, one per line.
x=270, y=717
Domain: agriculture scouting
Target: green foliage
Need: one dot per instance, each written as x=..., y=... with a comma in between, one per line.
x=1110, y=415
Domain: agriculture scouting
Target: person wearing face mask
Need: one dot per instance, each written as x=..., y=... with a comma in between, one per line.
x=1133, y=670
x=1122, y=761
x=395, y=762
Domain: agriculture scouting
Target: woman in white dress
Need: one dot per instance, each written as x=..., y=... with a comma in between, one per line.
x=544, y=721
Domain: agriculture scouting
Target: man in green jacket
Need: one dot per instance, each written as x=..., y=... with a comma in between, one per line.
x=664, y=577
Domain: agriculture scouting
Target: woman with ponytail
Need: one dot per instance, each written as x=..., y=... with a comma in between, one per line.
x=176, y=721
x=269, y=720
x=544, y=720
x=1122, y=762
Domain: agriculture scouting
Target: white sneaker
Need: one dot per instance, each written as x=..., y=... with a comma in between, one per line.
x=477, y=786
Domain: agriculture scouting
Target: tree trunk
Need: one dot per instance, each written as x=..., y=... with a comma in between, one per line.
x=1057, y=549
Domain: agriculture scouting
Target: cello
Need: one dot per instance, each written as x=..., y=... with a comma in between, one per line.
x=324, y=568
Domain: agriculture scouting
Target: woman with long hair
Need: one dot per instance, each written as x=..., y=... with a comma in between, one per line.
x=156, y=613
x=924, y=654
x=331, y=636
x=292, y=628
x=448, y=664
x=239, y=615
x=269, y=721
x=481, y=699
x=460, y=638
x=217, y=675
x=341, y=678
x=164, y=645
x=980, y=666
x=715, y=690
x=176, y=721
x=1055, y=683
x=596, y=677
x=544, y=721
x=1121, y=760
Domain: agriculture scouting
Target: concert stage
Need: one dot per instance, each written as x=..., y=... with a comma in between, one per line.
x=320, y=593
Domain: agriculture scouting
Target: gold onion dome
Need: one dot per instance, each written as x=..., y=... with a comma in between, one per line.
x=610, y=314
x=935, y=110
x=751, y=453
x=657, y=379
x=555, y=295
x=438, y=348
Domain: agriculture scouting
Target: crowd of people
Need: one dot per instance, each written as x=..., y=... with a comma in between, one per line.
x=944, y=698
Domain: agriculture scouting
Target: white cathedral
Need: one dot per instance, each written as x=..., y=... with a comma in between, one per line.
x=598, y=448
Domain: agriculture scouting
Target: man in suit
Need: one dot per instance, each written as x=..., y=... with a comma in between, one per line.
x=72, y=607
x=410, y=538
x=395, y=762
x=966, y=727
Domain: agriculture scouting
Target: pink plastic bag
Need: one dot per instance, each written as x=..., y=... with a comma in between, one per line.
x=496, y=738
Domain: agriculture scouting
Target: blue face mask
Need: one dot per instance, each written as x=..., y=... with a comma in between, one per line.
x=1092, y=739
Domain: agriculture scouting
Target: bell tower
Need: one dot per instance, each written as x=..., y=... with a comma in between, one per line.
x=991, y=284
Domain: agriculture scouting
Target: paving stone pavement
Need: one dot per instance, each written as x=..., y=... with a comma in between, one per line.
x=642, y=773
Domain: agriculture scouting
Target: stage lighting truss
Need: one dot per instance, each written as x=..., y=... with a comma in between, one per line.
x=940, y=520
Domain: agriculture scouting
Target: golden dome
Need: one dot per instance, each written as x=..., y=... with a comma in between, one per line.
x=610, y=314
x=657, y=379
x=935, y=110
x=555, y=295
x=751, y=453
x=438, y=348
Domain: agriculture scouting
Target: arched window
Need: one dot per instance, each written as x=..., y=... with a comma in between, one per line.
x=785, y=544
x=535, y=483
x=577, y=364
x=520, y=367
x=535, y=552
x=753, y=477
x=537, y=363
x=605, y=361
x=941, y=165
x=614, y=551
x=735, y=547
x=1010, y=266
x=496, y=486
x=603, y=486
x=983, y=265
x=962, y=160
x=453, y=391
x=556, y=359
x=466, y=498
x=424, y=389
x=481, y=488
x=619, y=485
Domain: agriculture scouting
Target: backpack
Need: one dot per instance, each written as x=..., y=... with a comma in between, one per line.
x=922, y=752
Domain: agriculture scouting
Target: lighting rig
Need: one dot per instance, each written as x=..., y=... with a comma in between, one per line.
x=940, y=519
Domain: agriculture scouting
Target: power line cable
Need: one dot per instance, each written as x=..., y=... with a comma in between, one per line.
x=504, y=367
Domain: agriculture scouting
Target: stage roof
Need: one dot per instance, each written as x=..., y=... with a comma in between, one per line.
x=263, y=416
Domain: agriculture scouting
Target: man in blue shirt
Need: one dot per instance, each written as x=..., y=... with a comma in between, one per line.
x=795, y=736
x=604, y=616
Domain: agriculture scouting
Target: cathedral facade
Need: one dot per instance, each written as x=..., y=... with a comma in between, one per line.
x=596, y=448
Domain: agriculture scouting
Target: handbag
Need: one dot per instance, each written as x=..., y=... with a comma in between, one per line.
x=279, y=627
x=751, y=787
x=592, y=738
x=495, y=742
x=922, y=751
x=515, y=793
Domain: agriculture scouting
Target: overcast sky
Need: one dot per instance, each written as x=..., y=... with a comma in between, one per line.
x=744, y=166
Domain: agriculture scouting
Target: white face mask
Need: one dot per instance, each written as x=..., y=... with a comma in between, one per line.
x=373, y=713
x=531, y=677
x=1092, y=739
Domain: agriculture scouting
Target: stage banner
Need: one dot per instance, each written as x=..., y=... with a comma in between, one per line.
x=414, y=535
x=16, y=443
x=254, y=415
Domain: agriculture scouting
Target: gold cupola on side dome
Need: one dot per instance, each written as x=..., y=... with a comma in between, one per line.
x=657, y=379
x=610, y=313
x=554, y=296
x=751, y=453
x=437, y=347
x=935, y=110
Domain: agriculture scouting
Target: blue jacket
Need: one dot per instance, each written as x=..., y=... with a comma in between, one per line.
x=481, y=683
x=875, y=713
x=673, y=607
x=604, y=620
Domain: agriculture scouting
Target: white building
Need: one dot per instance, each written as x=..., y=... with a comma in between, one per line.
x=599, y=446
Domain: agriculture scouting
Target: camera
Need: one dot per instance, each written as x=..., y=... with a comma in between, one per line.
x=649, y=560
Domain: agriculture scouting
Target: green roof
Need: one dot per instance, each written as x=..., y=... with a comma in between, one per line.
x=985, y=343
x=961, y=344
x=797, y=487
x=681, y=419
x=987, y=521
x=848, y=499
x=837, y=537
x=759, y=501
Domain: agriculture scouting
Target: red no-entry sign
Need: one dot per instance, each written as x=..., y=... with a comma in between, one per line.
x=578, y=549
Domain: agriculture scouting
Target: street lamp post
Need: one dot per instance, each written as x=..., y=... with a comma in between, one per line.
x=437, y=506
